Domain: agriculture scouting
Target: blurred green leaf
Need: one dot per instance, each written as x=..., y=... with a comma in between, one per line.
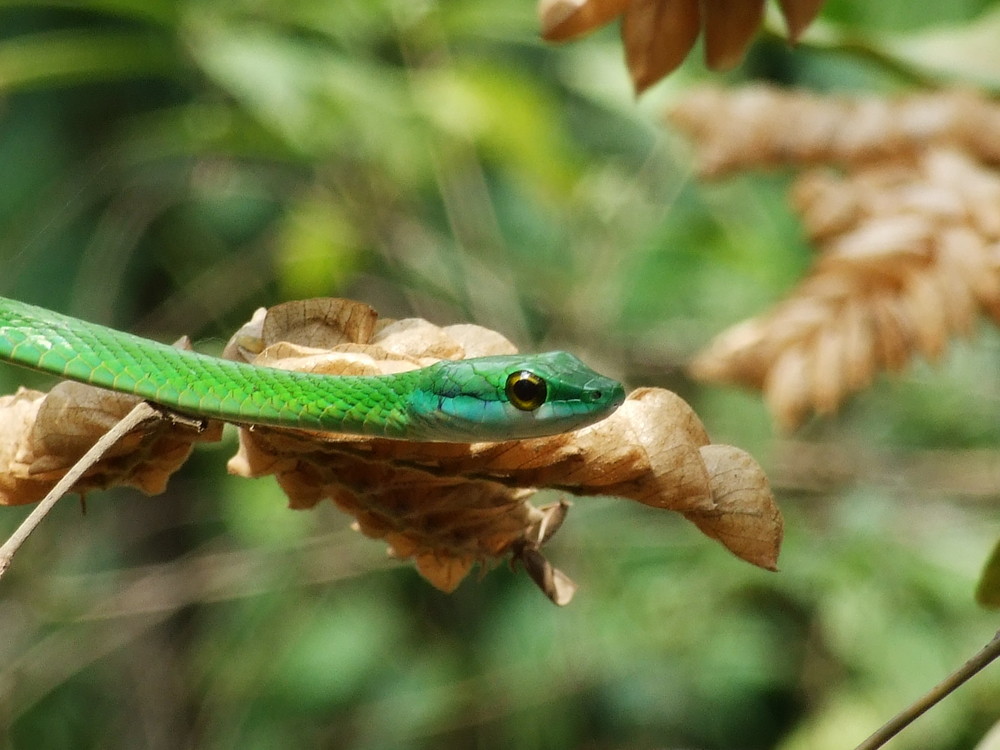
x=316, y=249
x=315, y=97
x=162, y=11
x=69, y=56
x=171, y=166
x=988, y=589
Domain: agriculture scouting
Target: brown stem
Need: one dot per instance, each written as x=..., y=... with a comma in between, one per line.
x=895, y=725
x=142, y=414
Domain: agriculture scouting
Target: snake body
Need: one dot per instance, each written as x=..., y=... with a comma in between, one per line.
x=477, y=399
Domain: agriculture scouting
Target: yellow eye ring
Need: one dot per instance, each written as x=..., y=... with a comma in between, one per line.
x=525, y=390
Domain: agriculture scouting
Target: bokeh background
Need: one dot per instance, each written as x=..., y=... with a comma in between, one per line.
x=168, y=166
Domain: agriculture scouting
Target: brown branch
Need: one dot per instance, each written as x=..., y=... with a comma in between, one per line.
x=897, y=723
x=142, y=415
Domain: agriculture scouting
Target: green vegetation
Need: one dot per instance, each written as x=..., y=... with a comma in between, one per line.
x=167, y=167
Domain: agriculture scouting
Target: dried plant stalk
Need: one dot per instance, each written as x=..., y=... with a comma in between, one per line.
x=446, y=506
x=764, y=126
x=45, y=434
x=907, y=237
x=451, y=506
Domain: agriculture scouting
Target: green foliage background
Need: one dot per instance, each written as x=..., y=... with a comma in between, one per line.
x=166, y=167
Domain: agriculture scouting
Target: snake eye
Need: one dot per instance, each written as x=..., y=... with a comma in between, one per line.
x=525, y=390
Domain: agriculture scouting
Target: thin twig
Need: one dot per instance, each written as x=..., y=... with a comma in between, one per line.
x=142, y=414
x=895, y=725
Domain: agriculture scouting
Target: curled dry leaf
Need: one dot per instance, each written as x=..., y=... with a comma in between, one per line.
x=908, y=238
x=744, y=516
x=45, y=434
x=450, y=506
x=659, y=34
x=445, y=506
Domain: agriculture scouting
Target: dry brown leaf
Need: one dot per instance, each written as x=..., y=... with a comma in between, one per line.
x=884, y=247
x=562, y=20
x=957, y=297
x=827, y=205
x=828, y=372
x=763, y=126
x=893, y=341
x=17, y=414
x=45, y=434
x=923, y=307
x=446, y=506
x=969, y=256
x=554, y=583
x=745, y=517
x=658, y=34
x=742, y=354
x=858, y=347
x=799, y=14
x=450, y=506
x=729, y=27
x=788, y=387
x=908, y=254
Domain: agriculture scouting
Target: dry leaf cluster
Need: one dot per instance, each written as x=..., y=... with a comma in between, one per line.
x=43, y=434
x=451, y=506
x=659, y=34
x=906, y=235
x=446, y=506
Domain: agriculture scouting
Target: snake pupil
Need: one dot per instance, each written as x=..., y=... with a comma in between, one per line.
x=525, y=390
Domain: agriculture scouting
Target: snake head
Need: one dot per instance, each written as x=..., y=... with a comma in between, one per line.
x=511, y=397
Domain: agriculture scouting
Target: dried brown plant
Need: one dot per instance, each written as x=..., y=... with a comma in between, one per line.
x=906, y=234
x=44, y=434
x=446, y=506
x=659, y=34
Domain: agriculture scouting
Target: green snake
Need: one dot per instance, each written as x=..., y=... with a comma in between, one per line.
x=494, y=398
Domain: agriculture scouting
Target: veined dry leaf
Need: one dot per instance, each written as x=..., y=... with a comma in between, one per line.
x=957, y=297
x=893, y=342
x=763, y=126
x=829, y=364
x=745, y=517
x=908, y=250
x=923, y=307
x=858, y=347
x=788, y=387
x=45, y=434
x=449, y=506
x=826, y=205
x=17, y=414
x=970, y=257
x=886, y=247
